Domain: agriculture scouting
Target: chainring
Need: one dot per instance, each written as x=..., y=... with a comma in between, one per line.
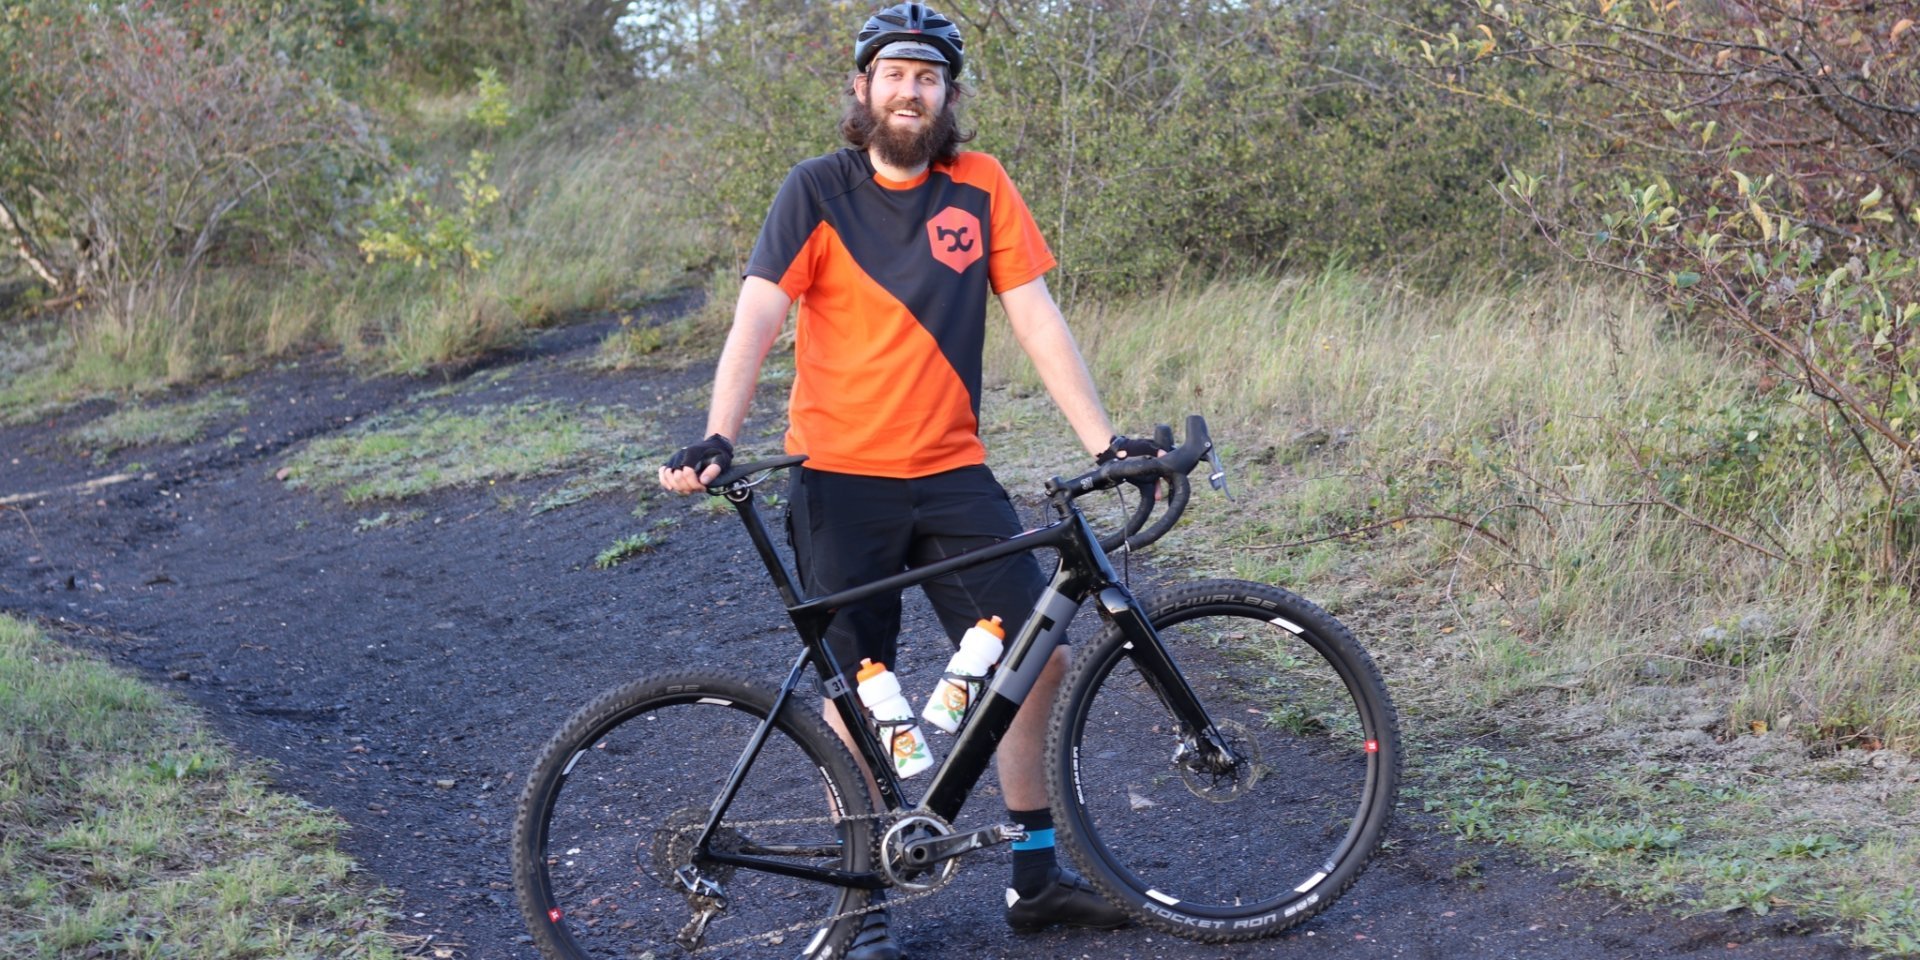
x=892, y=852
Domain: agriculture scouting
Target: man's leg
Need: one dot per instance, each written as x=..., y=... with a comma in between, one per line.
x=959, y=511
x=1021, y=760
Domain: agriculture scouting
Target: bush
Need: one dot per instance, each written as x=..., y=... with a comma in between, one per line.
x=1754, y=169
x=140, y=147
x=1147, y=139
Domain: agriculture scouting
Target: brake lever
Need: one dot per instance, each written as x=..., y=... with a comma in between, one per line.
x=1218, y=478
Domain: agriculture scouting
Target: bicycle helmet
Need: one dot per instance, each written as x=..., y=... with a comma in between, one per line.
x=915, y=22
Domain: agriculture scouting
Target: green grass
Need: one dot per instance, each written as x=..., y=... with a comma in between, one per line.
x=140, y=425
x=1576, y=491
x=1506, y=493
x=405, y=454
x=126, y=830
x=624, y=549
x=695, y=337
x=1708, y=837
x=576, y=229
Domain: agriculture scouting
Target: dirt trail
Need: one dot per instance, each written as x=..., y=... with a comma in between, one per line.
x=375, y=666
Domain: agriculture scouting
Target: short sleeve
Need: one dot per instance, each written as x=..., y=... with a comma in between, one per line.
x=1019, y=252
x=782, y=254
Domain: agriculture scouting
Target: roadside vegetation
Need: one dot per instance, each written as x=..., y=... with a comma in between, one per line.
x=1535, y=505
x=130, y=831
x=403, y=454
x=1570, y=357
x=134, y=426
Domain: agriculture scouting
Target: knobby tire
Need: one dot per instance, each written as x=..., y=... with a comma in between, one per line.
x=1252, y=851
x=603, y=821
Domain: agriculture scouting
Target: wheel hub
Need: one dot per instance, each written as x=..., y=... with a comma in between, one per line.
x=671, y=849
x=1219, y=778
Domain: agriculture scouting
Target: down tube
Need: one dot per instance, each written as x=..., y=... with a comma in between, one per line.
x=1032, y=647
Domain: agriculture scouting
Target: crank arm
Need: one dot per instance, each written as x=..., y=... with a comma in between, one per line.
x=932, y=850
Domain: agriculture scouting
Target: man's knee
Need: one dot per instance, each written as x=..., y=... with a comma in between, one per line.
x=1051, y=675
x=1057, y=664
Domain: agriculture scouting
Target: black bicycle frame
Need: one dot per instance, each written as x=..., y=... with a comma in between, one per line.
x=1082, y=571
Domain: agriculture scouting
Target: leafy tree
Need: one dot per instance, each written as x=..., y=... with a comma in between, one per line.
x=1756, y=163
x=139, y=142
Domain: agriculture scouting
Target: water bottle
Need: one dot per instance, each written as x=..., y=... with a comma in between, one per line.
x=966, y=674
x=880, y=691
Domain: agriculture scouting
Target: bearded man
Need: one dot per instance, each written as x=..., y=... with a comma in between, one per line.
x=891, y=248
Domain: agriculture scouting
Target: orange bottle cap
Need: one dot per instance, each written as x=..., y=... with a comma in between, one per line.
x=869, y=670
x=993, y=626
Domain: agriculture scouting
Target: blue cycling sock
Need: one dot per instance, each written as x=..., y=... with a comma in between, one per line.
x=1033, y=859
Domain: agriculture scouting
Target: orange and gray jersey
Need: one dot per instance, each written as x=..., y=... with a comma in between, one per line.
x=892, y=280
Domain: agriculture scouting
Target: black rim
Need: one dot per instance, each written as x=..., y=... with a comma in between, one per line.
x=1313, y=886
x=557, y=918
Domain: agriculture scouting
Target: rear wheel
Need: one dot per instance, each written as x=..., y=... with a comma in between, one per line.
x=619, y=796
x=1226, y=848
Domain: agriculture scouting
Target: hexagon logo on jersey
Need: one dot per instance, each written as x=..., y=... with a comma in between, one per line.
x=954, y=236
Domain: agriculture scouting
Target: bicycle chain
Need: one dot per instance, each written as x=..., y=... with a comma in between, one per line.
x=804, y=925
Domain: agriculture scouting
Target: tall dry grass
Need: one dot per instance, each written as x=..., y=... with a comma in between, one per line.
x=1586, y=498
x=593, y=214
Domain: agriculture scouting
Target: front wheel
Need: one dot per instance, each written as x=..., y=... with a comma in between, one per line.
x=620, y=794
x=1237, y=846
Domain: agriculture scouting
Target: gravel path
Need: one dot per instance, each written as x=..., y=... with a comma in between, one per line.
x=404, y=675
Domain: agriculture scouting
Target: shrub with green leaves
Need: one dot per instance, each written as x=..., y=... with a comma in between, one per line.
x=141, y=143
x=1147, y=139
x=1784, y=223
x=405, y=226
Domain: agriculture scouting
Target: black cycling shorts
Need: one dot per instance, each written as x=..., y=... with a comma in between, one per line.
x=849, y=530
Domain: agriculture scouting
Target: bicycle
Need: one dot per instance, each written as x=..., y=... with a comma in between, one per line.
x=1223, y=820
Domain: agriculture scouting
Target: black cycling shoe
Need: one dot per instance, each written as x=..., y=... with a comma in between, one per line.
x=1068, y=899
x=873, y=942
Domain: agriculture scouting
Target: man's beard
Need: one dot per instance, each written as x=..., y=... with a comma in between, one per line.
x=908, y=148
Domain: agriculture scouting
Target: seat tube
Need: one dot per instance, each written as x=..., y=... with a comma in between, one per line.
x=743, y=503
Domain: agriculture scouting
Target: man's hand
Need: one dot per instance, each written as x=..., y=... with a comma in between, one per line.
x=1122, y=447
x=695, y=465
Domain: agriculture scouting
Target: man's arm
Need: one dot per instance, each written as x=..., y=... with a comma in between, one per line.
x=757, y=319
x=1043, y=334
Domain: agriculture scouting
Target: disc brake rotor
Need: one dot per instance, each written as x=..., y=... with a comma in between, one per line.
x=1222, y=784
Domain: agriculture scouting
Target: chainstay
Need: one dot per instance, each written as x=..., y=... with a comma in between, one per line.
x=830, y=919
